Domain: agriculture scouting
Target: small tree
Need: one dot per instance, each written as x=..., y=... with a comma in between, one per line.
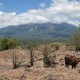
x=8, y=43
x=55, y=46
x=30, y=46
x=31, y=55
x=76, y=39
x=46, y=57
x=14, y=60
x=3, y=44
x=52, y=60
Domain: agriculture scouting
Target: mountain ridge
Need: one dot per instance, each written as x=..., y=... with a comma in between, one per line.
x=38, y=31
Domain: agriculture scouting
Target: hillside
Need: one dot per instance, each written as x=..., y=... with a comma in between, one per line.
x=38, y=71
x=38, y=31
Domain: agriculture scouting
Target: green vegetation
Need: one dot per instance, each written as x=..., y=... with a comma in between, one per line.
x=48, y=59
x=56, y=46
x=76, y=39
x=44, y=31
x=8, y=43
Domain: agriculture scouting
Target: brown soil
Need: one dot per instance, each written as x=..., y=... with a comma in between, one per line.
x=37, y=72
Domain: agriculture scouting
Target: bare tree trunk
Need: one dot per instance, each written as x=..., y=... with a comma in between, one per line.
x=31, y=55
x=46, y=58
x=31, y=58
x=14, y=60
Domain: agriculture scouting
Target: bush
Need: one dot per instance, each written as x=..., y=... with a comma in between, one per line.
x=78, y=48
x=49, y=60
x=46, y=58
x=8, y=43
x=52, y=60
x=55, y=45
x=76, y=39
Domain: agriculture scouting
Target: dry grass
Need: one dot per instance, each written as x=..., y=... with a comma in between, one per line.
x=37, y=72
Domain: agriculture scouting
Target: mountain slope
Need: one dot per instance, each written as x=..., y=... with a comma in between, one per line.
x=38, y=31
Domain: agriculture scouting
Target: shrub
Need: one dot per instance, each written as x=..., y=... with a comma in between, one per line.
x=8, y=43
x=76, y=39
x=55, y=46
x=78, y=48
x=49, y=60
x=30, y=46
x=52, y=60
x=46, y=57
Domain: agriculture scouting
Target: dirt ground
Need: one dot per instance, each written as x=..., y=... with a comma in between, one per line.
x=37, y=72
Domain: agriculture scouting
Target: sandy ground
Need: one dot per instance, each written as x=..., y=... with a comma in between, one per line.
x=37, y=72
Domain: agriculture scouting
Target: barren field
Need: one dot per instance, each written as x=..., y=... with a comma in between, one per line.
x=38, y=71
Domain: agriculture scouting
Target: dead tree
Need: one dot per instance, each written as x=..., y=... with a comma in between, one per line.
x=14, y=60
x=31, y=55
x=46, y=58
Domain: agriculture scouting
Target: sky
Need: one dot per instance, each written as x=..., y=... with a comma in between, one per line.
x=16, y=12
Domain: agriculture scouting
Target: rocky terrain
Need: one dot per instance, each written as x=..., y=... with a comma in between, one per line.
x=37, y=72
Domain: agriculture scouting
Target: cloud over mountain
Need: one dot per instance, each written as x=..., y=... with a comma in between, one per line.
x=58, y=11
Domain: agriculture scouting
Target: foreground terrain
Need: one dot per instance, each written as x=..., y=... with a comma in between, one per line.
x=37, y=72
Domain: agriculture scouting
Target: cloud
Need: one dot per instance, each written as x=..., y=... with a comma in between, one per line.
x=1, y=4
x=59, y=11
x=42, y=5
x=68, y=9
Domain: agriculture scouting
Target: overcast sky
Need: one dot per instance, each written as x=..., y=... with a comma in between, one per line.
x=15, y=12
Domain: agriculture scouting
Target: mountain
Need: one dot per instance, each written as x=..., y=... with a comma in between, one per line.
x=38, y=31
